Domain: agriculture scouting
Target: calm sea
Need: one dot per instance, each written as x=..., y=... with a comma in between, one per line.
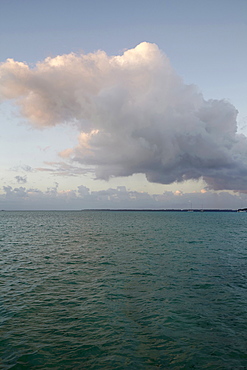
x=123, y=290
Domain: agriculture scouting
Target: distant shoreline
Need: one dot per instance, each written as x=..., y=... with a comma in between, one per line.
x=168, y=210
x=126, y=210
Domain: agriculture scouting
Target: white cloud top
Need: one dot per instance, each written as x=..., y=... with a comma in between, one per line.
x=134, y=115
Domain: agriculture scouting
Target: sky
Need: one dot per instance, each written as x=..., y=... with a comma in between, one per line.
x=123, y=104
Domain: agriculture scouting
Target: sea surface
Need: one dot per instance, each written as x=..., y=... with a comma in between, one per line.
x=123, y=290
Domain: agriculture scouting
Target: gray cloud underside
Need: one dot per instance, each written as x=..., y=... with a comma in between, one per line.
x=134, y=115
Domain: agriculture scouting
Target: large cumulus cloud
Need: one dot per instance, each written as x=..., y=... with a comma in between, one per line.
x=134, y=115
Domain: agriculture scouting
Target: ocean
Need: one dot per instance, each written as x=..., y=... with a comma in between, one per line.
x=123, y=290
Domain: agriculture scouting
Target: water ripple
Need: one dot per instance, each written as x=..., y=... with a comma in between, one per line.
x=123, y=290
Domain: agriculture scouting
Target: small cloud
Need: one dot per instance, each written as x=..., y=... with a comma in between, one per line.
x=122, y=189
x=83, y=191
x=66, y=153
x=21, y=179
x=43, y=149
x=178, y=193
x=25, y=168
x=64, y=169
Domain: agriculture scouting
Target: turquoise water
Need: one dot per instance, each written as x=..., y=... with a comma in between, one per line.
x=123, y=290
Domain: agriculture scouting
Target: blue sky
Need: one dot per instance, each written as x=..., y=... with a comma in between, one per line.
x=205, y=43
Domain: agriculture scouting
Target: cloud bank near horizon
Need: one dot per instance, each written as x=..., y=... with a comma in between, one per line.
x=22, y=198
x=134, y=114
